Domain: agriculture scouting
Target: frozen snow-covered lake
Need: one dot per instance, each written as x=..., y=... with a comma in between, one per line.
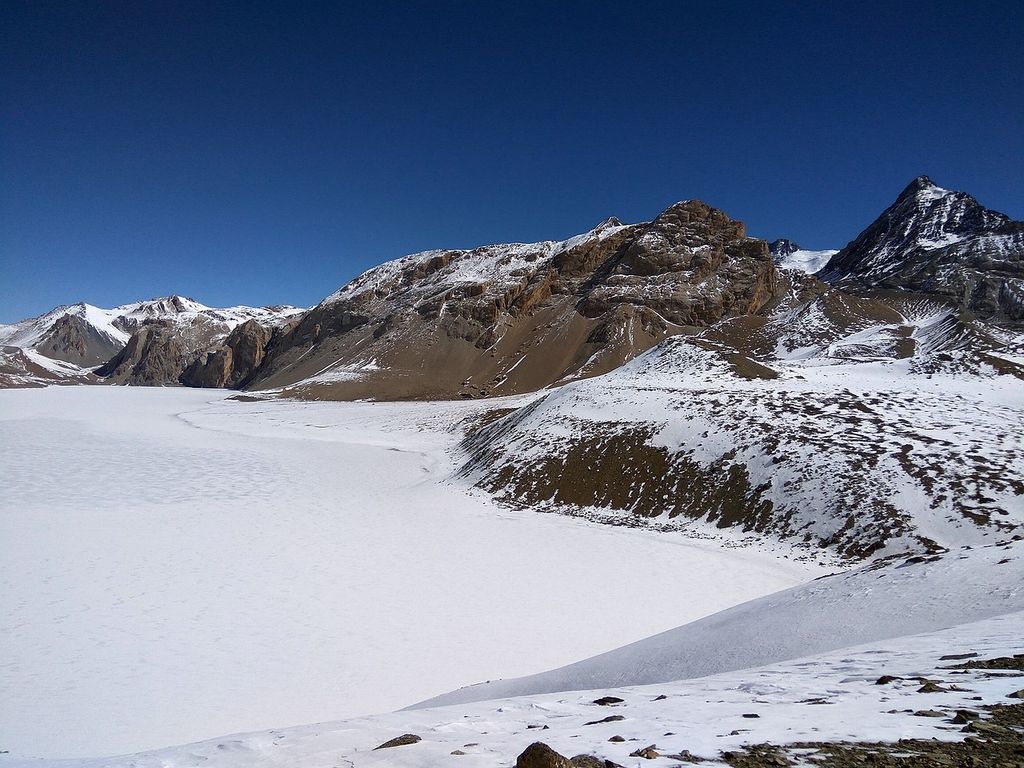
x=174, y=566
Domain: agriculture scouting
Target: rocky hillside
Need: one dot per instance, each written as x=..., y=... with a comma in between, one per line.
x=234, y=360
x=943, y=243
x=829, y=420
x=513, y=318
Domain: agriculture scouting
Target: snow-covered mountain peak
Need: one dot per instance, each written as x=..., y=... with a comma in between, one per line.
x=28, y=333
x=611, y=221
x=939, y=241
x=788, y=255
x=163, y=307
x=782, y=248
x=923, y=184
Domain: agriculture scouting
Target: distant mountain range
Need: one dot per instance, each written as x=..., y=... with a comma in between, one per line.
x=147, y=342
x=512, y=318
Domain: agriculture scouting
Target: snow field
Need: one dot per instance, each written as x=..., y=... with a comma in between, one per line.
x=175, y=566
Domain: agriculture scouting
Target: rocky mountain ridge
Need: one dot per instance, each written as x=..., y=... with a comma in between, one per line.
x=505, y=319
x=512, y=318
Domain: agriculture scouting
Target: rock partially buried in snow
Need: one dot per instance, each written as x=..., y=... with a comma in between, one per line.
x=540, y=755
x=685, y=756
x=609, y=719
x=400, y=741
x=756, y=756
x=964, y=716
x=648, y=753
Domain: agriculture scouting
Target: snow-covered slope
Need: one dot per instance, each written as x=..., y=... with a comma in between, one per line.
x=789, y=255
x=839, y=422
x=884, y=600
x=28, y=333
x=502, y=266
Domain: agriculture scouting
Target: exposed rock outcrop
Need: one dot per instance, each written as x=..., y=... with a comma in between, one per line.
x=73, y=340
x=404, y=740
x=152, y=357
x=540, y=755
x=232, y=362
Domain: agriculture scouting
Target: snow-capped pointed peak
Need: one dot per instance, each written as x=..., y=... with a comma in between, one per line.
x=920, y=183
x=611, y=221
x=926, y=239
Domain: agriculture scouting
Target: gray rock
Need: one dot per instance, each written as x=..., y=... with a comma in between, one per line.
x=649, y=752
x=400, y=741
x=609, y=719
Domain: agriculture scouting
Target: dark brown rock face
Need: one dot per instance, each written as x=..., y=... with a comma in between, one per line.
x=234, y=361
x=540, y=755
x=512, y=318
x=152, y=356
x=692, y=266
x=73, y=340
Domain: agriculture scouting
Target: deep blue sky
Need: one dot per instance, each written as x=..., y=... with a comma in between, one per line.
x=256, y=152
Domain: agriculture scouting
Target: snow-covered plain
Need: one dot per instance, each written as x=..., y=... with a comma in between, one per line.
x=175, y=566
x=826, y=697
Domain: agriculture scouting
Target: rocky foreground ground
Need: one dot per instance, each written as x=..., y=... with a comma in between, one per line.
x=995, y=740
x=989, y=735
